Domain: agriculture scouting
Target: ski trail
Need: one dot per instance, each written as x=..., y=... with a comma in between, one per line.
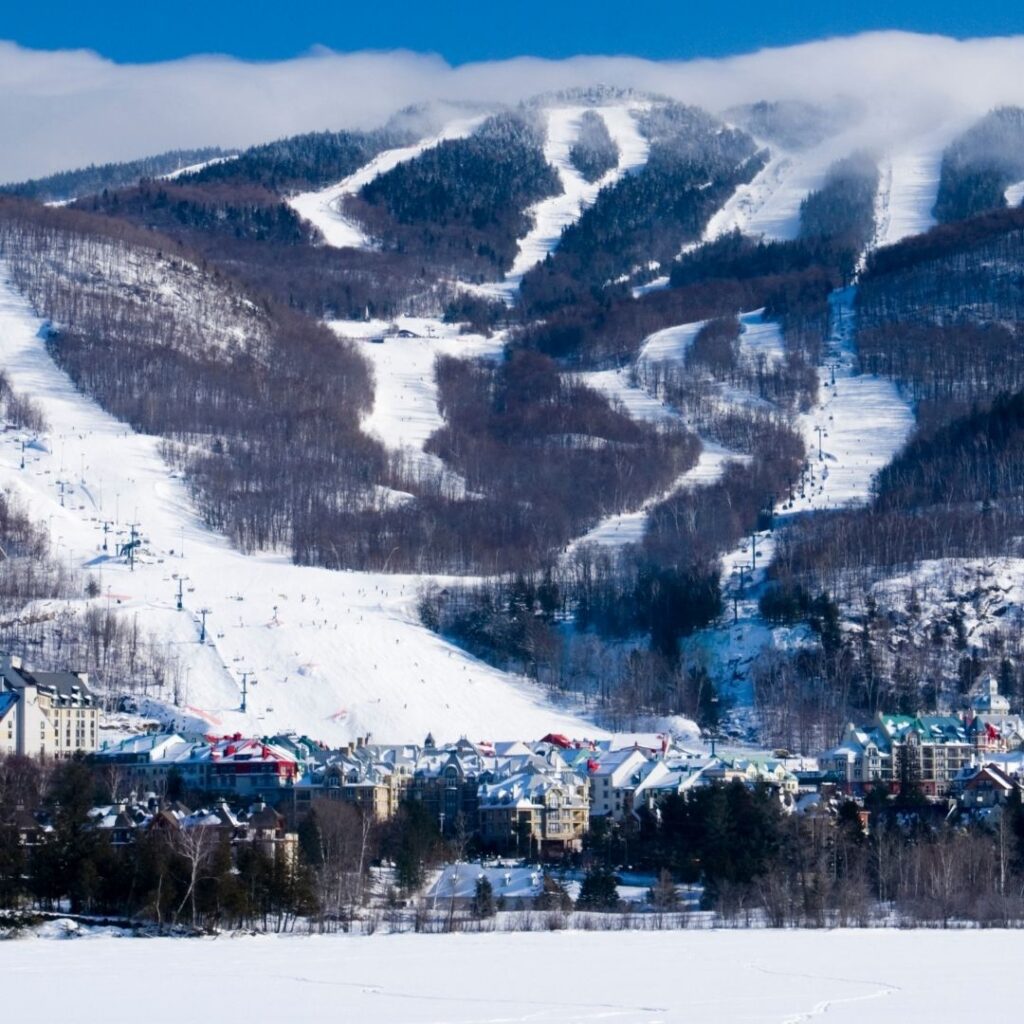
x=630, y=527
x=551, y=216
x=336, y=655
x=322, y=208
x=908, y=188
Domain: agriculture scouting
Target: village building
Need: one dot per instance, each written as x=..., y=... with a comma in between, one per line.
x=45, y=714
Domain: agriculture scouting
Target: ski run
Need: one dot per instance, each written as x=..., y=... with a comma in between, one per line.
x=322, y=208
x=333, y=654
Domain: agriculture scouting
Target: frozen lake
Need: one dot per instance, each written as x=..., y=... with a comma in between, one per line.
x=725, y=977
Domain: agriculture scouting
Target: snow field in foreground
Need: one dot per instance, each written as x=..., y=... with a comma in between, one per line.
x=335, y=654
x=696, y=977
x=322, y=207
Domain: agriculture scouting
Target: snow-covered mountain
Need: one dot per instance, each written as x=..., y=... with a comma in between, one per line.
x=585, y=343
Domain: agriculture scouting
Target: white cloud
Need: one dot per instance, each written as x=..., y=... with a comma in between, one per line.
x=68, y=108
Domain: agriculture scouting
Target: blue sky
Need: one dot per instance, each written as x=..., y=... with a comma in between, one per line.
x=471, y=30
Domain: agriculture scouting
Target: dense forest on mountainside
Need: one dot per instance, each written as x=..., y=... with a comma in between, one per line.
x=594, y=153
x=247, y=231
x=462, y=204
x=200, y=213
x=66, y=185
x=302, y=162
x=200, y=367
x=980, y=165
x=792, y=280
x=542, y=458
x=646, y=217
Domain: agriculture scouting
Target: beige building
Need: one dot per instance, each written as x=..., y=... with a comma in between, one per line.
x=45, y=714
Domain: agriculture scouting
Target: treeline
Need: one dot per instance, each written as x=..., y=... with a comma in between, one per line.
x=593, y=153
x=186, y=210
x=247, y=231
x=912, y=865
x=84, y=181
x=303, y=162
x=566, y=625
x=979, y=166
x=542, y=457
x=694, y=164
x=460, y=206
x=657, y=592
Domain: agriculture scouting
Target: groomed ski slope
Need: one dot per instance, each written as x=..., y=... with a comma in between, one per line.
x=553, y=215
x=335, y=654
x=864, y=422
x=752, y=976
x=405, y=411
x=322, y=208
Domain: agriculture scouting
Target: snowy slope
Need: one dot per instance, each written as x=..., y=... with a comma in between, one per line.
x=405, y=412
x=908, y=188
x=553, y=215
x=629, y=527
x=1015, y=195
x=864, y=422
x=322, y=208
x=758, y=338
x=744, y=206
x=334, y=654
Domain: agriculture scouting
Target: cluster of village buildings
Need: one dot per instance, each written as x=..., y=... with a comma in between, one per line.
x=526, y=798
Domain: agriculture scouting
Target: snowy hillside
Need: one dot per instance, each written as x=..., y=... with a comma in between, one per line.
x=551, y=216
x=402, y=354
x=322, y=208
x=334, y=655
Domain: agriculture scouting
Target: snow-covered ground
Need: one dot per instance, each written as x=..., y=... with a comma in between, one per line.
x=629, y=527
x=907, y=189
x=335, y=654
x=553, y=215
x=720, y=977
x=322, y=207
x=1015, y=195
x=758, y=338
x=744, y=206
x=192, y=168
x=405, y=411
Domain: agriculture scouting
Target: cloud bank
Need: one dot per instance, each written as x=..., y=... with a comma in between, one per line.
x=66, y=109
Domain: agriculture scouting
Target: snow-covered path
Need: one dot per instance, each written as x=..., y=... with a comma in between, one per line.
x=322, y=207
x=553, y=215
x=629, y=527
x=907, y=190
x=863, y=422
x=335, y=654
x=405, y=411
x=733, y=976
x=758, y=338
